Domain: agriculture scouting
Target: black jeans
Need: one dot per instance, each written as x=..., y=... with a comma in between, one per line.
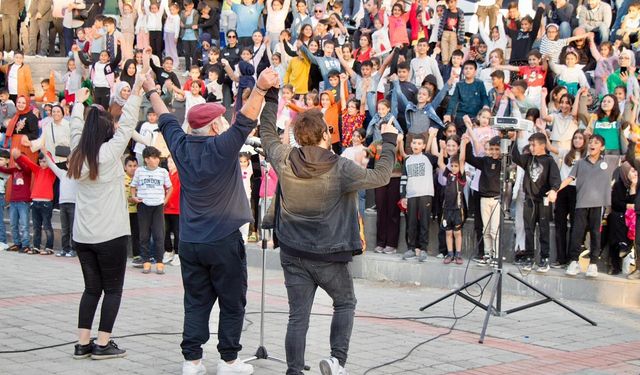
x=478, y=227
x=418, y=218
x=388, y=215
x=102, y=96
x=189, y=47
x=302, y=277
x=171, y=225
x=103, y=265
x=41, y=212
x=565, y=206
x=587, y=219
x=135, y=234
x=535, y=212
x=151, y=223
x=617, y=239
x=67, y=211
x=210, y=272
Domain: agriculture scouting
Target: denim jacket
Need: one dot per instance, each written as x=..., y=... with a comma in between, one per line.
x=429, y=109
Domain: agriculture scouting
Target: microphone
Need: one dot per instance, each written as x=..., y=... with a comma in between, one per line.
x=253, y=142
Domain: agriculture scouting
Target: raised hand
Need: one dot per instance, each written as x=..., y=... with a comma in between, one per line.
x=82, y=95
x=149, y=84
x=388, y=128
x=268, y=78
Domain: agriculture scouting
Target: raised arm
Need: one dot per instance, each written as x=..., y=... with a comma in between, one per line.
x=544, y=111
x=344, y=64
x=275, y=150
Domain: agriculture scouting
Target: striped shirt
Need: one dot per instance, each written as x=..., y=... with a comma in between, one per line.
x=151, y=185
x=552, y=48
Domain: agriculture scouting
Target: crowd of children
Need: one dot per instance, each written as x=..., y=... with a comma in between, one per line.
x=411, y=64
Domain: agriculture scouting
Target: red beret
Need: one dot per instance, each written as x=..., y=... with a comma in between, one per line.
x=202, y=114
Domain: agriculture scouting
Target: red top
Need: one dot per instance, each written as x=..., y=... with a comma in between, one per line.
x=20, y=181
x=534, y=77
x=362, y=55
x=173, y=204
x=187, y=86
x=44, y=178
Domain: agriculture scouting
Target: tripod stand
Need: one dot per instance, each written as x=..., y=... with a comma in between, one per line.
x=265, y=234
x=497, y=273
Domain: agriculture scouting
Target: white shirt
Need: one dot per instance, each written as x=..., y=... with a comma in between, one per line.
x=150, y=185
x=149, y=133
x=189, y=101
x=172, y=24
x=13, y=79
x=99, y=78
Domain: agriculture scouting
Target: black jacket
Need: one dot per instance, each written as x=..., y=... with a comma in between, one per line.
x=489, y=186
x=541, y=174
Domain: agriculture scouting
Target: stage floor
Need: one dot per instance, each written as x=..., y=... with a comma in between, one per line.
x=39, y=297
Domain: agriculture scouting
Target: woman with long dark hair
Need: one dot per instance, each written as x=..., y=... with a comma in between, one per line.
x=101, y=226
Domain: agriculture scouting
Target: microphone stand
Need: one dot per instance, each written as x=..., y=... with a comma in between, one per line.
x=265, y=234
x=497, y=273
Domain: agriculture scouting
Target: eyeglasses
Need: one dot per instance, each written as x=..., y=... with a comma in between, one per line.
x=318, y=11
x=231, y=36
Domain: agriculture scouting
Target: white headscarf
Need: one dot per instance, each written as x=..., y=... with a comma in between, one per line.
x=116, y=97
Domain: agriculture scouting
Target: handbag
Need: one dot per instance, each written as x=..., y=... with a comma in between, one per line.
x=60, y=151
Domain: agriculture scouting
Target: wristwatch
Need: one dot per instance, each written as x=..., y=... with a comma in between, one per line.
x=151, y=92
x=261, y=91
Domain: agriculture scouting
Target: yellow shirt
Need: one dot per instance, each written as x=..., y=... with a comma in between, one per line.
x=133, y=207
x=297, y=75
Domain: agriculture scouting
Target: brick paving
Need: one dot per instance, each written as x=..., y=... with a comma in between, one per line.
x=39, y=297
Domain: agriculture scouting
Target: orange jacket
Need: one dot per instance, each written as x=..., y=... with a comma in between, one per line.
x=332, y=117
x=25, y=82
x=49, y=96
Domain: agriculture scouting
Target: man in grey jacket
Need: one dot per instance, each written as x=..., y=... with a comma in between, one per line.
x=595, y=16
x=316, y=222
x=40, y=16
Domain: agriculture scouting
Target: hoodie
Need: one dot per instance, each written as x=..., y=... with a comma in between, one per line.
x=541, y=174
x=318, y=216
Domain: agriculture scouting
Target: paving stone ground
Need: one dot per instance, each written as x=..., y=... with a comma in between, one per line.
x=39, y=297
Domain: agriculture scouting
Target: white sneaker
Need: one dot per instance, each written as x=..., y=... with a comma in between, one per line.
x=189, y=368
x=236, y=368
x=592, y=270
x=185, y=74
x=3, y=246
x=573, y=269
x=176, y=261
x=331, y=366
x=168, y=256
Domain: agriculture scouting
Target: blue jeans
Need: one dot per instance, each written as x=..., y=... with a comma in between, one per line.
x=565, y=30
x=41, y=212
x=3, y=230
x=302, y=277
x=362, y=195
x=19, y=218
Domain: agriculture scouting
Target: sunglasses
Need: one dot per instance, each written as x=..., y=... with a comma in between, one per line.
x=318, y=11
x=231, y=36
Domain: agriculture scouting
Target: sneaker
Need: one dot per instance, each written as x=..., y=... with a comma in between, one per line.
x=108, y=351
x=176, y=261
x=168, y=256
x=137, y=262
x=447, y=259
x=573, y=269
x=146, y=267
x=635, y=275
x=189, y=368
x=236, y=368
x=557, y=265
x=83, y=351
x=3, y=246
x=409, y=254
x=61, y=253
x=160, y=268
x=331, y=366
x=459, y=260
x=71, y=254
x=390, y=250
x=543, y=265
x=423, y=256
x=493, y=263
x=481, y=261
x=592, y=270
x=440, y=256
x=527, y=265
x=379, y=249
x=478, y=259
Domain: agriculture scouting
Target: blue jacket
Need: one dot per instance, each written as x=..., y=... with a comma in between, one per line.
x=213, y=203
x=326, y=64
x=468, y=99
x=429, y=109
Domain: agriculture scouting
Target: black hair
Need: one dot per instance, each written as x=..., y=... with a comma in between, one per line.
x=98, y=129
x=598, y=137
x=130, y=158
x=333, y=73
x=538, y=138
x=495, y=141
x=150, y=152
x=5, y=154
x=404, y=66
x=470, y=63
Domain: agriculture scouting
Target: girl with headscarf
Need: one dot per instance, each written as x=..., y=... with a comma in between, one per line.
x=623, y=196
x=129, y=71
x=119, y=98
x=620, y=77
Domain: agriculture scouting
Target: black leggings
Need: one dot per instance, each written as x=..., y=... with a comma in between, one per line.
x=102, y=96
x=103, y=265
x=171, y=225
x=155, y=42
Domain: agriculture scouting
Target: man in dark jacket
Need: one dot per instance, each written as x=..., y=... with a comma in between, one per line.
x=213, y=206
x=317, y=224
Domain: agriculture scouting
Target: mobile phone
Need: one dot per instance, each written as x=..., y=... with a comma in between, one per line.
x=623, y=69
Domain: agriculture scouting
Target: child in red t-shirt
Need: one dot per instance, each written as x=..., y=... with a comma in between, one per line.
x=172, y=217
x=534, y=74
x=20, y=198
x=42, y=203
